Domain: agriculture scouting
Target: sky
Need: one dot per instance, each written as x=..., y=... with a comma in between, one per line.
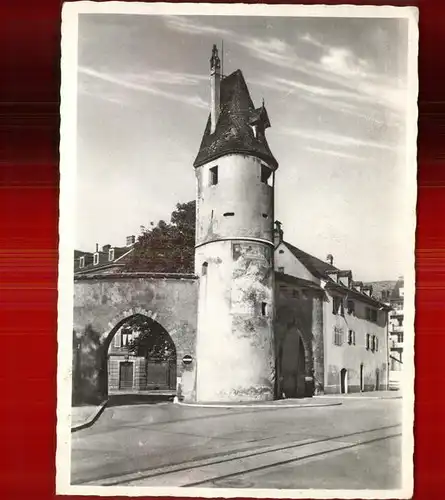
x=335, y=90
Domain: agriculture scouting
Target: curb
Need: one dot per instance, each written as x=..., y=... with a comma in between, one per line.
x=92, y=419
x=339, y=396
x=261, y=406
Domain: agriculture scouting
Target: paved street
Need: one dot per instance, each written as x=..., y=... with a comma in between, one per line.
x=355, y=445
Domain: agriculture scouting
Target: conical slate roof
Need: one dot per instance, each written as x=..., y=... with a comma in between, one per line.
x=233, y=133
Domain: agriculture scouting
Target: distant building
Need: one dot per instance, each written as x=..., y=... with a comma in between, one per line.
x=392, y=293
x=105, y=259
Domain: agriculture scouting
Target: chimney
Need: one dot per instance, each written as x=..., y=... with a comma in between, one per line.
x=215, y=84
x=330, y=259
x=131, y=240
x=277, y=233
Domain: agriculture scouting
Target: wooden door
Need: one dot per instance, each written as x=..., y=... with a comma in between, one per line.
x=126, y=375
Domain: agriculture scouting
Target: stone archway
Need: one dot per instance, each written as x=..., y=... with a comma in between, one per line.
x=139, y=356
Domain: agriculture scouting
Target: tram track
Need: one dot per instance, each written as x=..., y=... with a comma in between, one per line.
x=228, y=464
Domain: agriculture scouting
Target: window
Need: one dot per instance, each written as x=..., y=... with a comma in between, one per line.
x=338, y=336
x=204, y=269
x=281, y=269
x=126, y=337
x=111, y=254
x=337, y=305
x=280, y=251
x=82, y=262
x=263, y=309
x=229, y=214
x=214, y=176
x=368, y=341
x=351, y=307
x=266, y=175
x=96, y=259
x=264, y=216
x=295, y=294
x=371, y=314
x=376, y=343
x=351, y=337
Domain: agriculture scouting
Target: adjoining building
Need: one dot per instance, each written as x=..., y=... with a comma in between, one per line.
x=259, y=319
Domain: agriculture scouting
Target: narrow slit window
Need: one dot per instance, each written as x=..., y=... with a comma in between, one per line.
x=263, y=308
x=266, y=175
x=214, y=176
x=229, y=214
x=204, y=269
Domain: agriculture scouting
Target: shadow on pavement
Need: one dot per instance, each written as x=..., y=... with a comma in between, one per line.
x=137, y=399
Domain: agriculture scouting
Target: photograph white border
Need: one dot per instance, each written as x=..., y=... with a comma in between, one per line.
x=67, y=204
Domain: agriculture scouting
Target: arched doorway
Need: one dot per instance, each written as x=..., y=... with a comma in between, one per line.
x=141, y=357
x=344, y=381
x=292, y=366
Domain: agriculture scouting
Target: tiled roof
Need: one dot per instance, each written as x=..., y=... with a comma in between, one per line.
x=321, y=270
x=233, y=133
x=316, y=266
x=120, y=258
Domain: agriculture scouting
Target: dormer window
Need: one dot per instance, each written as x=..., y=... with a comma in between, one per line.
x=96, y=259
x=111, y=254
x=213, y=179
x=266, y=175
x=82, y=262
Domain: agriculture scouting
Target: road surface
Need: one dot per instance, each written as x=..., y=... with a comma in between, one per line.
x=356, y=445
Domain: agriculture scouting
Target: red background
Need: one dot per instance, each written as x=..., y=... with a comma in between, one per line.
x=29, y=125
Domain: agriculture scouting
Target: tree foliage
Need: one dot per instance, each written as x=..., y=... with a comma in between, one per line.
x=167, y=247
x=149, y=339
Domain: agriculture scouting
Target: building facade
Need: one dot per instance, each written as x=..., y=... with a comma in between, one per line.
x=260, y=319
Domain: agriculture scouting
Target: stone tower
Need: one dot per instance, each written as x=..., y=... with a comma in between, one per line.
x=235, y=173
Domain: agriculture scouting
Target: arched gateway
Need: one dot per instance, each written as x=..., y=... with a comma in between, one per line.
x=111, y=312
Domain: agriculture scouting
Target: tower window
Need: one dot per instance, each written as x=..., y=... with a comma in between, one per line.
x=204, y=269
x=214, y=176
x=229, y=214
x=263, y=308
x=266, y=175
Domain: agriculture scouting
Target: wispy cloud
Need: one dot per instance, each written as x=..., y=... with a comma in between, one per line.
x=186, y=25
x=147, y=83
x=337, y=140
x=339, y=71
x=335, y=153
x=337, y=99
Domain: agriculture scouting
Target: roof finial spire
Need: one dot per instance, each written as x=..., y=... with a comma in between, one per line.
x=215, y=62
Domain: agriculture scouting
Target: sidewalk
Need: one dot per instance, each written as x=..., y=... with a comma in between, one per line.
x=363, y=395
x=85, y=416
